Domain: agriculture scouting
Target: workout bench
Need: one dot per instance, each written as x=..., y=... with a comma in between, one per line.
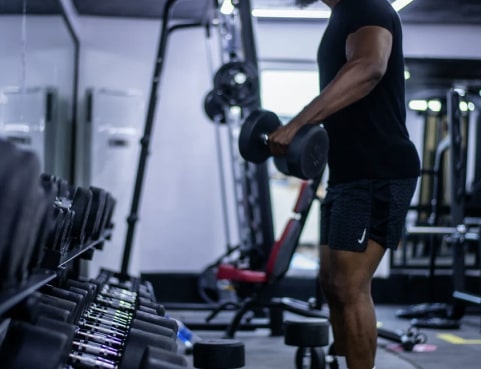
x=261, y=282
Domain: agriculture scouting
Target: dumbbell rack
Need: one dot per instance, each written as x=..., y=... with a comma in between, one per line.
x=41, y=277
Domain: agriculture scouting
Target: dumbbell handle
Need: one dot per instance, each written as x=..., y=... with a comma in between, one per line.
x=92, y=361
x=265, y=138
x=96, y=349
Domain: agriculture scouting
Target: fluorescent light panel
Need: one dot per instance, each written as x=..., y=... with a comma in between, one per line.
x=311, y=14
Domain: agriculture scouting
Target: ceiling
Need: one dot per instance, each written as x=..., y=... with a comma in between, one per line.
x=437, y=74
x=419, y=11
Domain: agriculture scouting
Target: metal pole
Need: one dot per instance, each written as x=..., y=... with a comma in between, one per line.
x=145, y=141
x=76, y=42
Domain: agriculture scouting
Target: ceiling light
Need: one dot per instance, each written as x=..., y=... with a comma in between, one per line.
x=435, y=105
x=419, y=105
x=471, y=106
x=227, y=7
x=308, y=13
x=399, y=4
x=463, y=106
x=291, y=13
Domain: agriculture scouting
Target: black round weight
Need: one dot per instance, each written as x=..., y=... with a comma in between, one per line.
x=307, y=152
x=155, y=358
x=310, y=332
x=252, y=146
x=137, y=342
x=219, y=354
x=236, y=83
x=310, y=358
x=214, y=108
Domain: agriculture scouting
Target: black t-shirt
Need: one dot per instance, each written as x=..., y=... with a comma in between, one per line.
x=368, y=139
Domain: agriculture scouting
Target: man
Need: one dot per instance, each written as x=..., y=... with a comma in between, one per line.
x=373, y=165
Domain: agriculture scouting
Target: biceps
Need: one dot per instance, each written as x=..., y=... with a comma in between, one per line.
x=371, y=44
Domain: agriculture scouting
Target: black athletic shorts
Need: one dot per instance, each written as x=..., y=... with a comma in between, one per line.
x=354, y=212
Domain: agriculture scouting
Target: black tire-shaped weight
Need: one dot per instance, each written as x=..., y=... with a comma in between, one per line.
x=251, y=145
x=81, y=204
x=214, y=108
x=315, y=355
x=307, y=152
x=310, y=332
x=236, y=83
x=219, y=354
x=280, y=163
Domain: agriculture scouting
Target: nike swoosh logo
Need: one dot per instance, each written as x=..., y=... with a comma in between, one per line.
x=361, y=240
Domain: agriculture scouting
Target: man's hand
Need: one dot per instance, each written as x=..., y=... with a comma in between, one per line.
x=279, y=139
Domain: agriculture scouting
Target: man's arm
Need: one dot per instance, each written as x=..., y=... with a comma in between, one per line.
x=367, y=53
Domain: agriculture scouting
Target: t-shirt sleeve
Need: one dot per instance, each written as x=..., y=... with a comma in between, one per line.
x=381, y=16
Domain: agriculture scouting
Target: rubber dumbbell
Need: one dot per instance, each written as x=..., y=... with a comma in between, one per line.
x=155, y=358
x=136, y=343
x=30, y=346
x=309, y=336
x=50, y=190
x=18, y=197
x=306, y=155
x=80, y=205
x=219, y=354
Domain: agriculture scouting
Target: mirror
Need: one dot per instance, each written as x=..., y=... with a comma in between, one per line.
x=38, y=81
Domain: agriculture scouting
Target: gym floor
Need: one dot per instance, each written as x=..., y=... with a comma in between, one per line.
x=444, y=349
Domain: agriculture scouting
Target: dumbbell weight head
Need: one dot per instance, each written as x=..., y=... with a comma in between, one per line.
x=156, y=358
x=50, y=190
x=307, y=152
x=97, y=208
x=29, y=346
x=155, y=319
x=252, y=141
x=219, y=354
x=136, y=343
x=214, y=108
x=81, y=203
x=153, y=328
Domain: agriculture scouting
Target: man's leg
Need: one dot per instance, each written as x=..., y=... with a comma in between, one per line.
x=346, y=279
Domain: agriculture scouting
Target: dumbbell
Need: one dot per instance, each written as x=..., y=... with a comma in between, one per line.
x=309, y=336
x=30, y=346
x=306, y=154
x=42, y=224
x=156, y=358
x=19, y=197
x=219, y=354
x=80, y=204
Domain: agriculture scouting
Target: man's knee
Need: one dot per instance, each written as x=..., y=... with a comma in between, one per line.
x=345, y=291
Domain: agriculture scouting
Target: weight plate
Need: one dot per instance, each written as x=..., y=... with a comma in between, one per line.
x=236, y=83
x=251, y=145
x=214, y=108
